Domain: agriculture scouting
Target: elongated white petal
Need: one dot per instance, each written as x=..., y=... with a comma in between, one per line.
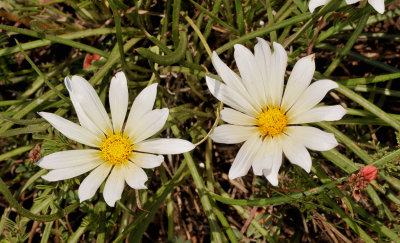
x=244, y=158
x=378, y=5
x=70, y=172
x=275, y=156
x=262, y=160
x=311, y=96
x=229, y=77
x=295, y=151
x=230, y=97
x=299, y=80
x=262, y=53
x=164, y=146
x=83, y=118
x=114, y=185
x=71, y=130
x=70, y=158
x=87, y=97
x=135, y=176
x=316, y=3
x=237, y=118
x=352, y=1
x=250, y=73
x=118, y=98
x=277, y=74
x=92, y=182
x=231, y=134
x=146, y=161
x=313, y=138
x=322, y=113
x=143, y=104
x=148, y=125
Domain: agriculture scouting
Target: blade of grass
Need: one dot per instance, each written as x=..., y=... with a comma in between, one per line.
x=56, y=39
x=369, y=106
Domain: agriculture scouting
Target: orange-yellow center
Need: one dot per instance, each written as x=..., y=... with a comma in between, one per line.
x=116, y=148
x=272, y=121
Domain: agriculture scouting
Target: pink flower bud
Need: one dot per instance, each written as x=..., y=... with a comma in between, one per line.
x=370, y=172
x=88, y=60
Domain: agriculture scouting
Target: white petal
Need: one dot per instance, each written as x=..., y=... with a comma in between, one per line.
x=143, y=104
x=378, y=5
x=250, y=73
x=296, y=152
x=87, y=97
x=230, y=97
x=299, y=80
x=352, y=1
x=262, y=160
x=92, y=182
x=231, y=134
x=70, y=158
x=244, y=158
x=135, y=176
x=313, y=138
x=148, y=125
x=262, y=53
x=228, y=76
x=275, y=156
x=70, y=172
x=114, y=185
x=118, y=98
x=321, y=113
x=237, y=118
x=311, y=97
x=316, y=3
x=83, y=118
x=277, y=74
x=71, y=130
x=164, y=146
x=146, y=161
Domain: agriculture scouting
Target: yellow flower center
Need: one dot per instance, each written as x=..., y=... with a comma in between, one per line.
x=272, y=121
x=116, y=148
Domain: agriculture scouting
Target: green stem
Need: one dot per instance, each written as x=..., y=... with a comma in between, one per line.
x=168, y=59
x=274, y=200
x=15, y=152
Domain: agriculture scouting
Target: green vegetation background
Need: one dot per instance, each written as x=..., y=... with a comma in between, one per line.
x=190, y=197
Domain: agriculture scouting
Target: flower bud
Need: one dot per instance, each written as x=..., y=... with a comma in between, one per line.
x=370, y=172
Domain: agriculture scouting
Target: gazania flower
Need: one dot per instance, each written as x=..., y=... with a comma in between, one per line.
x=119, y=152
x=378, y=5
x=267, y=118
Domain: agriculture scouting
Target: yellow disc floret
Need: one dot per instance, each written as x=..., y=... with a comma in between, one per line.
x=272, y=121
x=116, y=148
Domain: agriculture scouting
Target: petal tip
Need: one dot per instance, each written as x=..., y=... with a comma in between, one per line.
x=67, y=83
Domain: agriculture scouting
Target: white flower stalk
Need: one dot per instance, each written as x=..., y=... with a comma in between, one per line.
x=119, y=152
x=378, y=5
x=266, y=117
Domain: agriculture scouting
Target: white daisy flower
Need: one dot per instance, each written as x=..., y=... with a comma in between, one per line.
x=266, y=117
x=378, y=5
x=123, y=151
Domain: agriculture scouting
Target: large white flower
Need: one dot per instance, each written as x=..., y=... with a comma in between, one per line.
x=378, y=5
x=122, y=150
x=266, y=117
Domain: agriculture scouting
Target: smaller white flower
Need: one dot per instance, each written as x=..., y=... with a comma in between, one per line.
x=267, y=117
x=378, y=5
x=123, y=151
